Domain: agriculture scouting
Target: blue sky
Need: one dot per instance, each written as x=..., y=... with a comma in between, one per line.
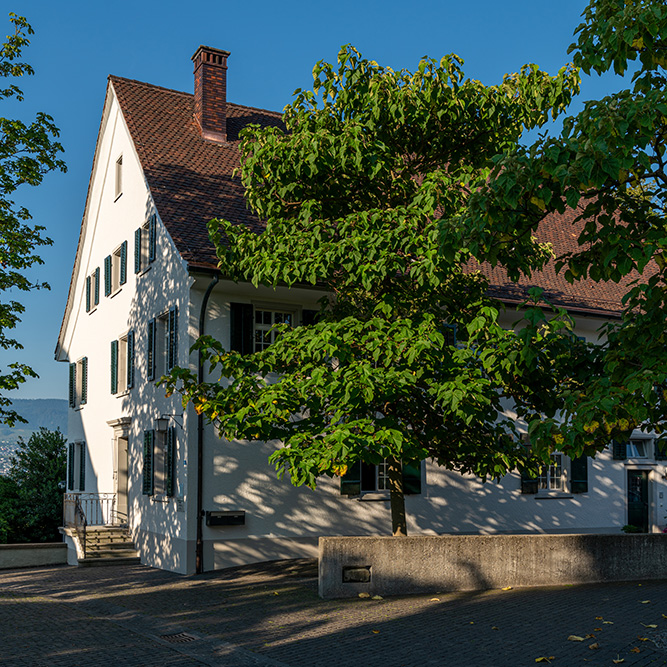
x=273, y=49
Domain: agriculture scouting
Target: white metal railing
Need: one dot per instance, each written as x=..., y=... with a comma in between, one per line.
x=98, y=509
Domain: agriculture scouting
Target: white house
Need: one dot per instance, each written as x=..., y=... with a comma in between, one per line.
x=146, y=284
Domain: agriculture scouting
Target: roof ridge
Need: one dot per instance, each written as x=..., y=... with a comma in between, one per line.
x=115, y=77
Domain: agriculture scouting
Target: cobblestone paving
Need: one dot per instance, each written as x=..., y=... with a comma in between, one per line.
x=269, y=615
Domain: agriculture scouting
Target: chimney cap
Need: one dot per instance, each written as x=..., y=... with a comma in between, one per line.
x=219, y=56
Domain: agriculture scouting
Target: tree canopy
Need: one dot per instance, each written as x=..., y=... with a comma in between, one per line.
x=609, y=164
x=409, y=359
x=31, y=494
x=28, y=151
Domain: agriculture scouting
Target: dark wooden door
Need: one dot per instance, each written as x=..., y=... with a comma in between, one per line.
x=638, y=499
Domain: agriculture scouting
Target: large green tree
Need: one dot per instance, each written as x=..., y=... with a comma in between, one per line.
x=409, y=359
x=32, y=491
x=27, y=152
x=609, y=163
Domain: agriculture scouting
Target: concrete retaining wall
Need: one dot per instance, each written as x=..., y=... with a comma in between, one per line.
x=31, y=555
x=425, y=564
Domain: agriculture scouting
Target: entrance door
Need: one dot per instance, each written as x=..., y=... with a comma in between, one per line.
x=638, y=499
x=121, y=481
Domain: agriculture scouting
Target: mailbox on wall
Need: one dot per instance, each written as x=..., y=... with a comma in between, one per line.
x=225, y=518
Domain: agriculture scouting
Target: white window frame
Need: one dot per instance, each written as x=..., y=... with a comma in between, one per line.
x=639, y=448
x=553, y=478
x=263, y=333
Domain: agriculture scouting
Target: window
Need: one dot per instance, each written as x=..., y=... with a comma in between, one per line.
x=93, y=290
x=78, y=383
x=556, y=478
x=362, y=478
x=551, y=477
x=145, y=245
x=119, y=177
x=122, y=363
x=162, y=352
x=159, y=462
x=636, y=448
x=115, y=269
x=250, y=326
x=76, y=466
x=264, y=322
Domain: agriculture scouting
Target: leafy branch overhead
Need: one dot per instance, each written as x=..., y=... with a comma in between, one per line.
x=28, y=151
x=365, y=195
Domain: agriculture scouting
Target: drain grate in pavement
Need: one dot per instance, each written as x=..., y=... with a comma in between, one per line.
x=178, y=638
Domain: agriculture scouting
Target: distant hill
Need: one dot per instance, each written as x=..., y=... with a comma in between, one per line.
x=50, y=413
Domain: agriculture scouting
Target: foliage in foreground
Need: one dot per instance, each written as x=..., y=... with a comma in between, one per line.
x=31, y=497
x=28, y=151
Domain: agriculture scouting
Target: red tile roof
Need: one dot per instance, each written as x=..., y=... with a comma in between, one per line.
x=191, y=182
x=190, y=179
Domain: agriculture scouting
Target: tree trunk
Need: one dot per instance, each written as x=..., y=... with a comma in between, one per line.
x=397, y=499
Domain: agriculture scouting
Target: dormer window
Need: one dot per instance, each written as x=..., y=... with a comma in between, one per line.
x=119, y=177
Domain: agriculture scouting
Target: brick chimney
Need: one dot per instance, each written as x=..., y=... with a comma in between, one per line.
x=211, y=92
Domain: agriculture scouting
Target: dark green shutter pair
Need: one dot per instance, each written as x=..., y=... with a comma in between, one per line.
x=578, y=478
x=309, y=317
x=147, y=472
x=350, y=483
x=96, y=289
x=170, y=462
x=660, y=450
x=123, y=263
x=619, y=450
x=152, y=238
x=88, y=294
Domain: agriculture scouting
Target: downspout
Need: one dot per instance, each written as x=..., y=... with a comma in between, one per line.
x=199, y=548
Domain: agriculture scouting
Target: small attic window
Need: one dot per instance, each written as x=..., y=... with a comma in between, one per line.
x=119, y=177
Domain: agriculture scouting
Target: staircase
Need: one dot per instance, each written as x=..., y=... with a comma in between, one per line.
x=106, y=545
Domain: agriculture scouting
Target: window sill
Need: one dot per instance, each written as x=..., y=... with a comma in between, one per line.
x=553, y=495
x=113, y=294
x=118, y=196
x=146, y=269
x=92, y=310
x=377, y=496
x=161, y=498
x=123, y=393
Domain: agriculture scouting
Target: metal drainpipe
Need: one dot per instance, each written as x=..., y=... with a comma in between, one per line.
x=199, y=549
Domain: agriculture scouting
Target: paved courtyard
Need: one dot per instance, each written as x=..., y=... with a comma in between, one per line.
x=270, y=615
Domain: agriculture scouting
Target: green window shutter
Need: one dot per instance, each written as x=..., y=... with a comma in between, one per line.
x=130, y=359
x=88, y=294
x=114, y=366
x=107, y=275
x=350, y=482
x=84, y=380
x=82, y=466
x=123, y=263
x=579, y=474
x=150, y=352
x=70, y=467
x=137, y=250
x=309, y=317
x=619, y=449
x=152, y=238
x=528, y=483
x=96, y=290
x=242, y=327
x=172, y=338
x=72, y=385
x=412, y=478
x=660, y=450
x=147, y=472
x=170, y=461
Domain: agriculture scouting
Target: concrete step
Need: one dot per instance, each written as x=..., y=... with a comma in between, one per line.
x=101, y=562
x=130, y=552
x=110, y=546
